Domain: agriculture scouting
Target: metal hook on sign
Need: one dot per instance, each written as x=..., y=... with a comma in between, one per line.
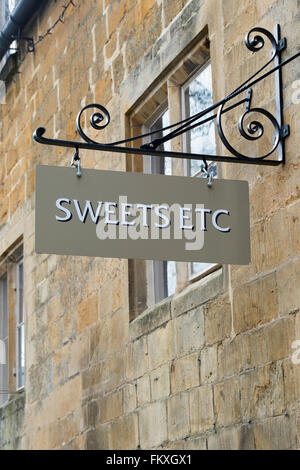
x=208, y=172
x=76, y=162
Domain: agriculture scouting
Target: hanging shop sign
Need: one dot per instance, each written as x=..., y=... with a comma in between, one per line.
x=140, y=216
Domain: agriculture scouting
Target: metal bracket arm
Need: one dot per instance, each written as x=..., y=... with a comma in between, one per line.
x=251, y=131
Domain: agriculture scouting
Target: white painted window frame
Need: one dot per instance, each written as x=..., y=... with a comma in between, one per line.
x=19, y=324
x=4, y=339
x=195, y=276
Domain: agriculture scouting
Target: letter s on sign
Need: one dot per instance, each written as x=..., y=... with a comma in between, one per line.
x=61, y=208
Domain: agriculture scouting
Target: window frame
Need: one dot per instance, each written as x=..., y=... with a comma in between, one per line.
x=10, y=261
x=5, y=340
x=184, y=87
x=167, y=88
x=19, y=325
x=156, y=270
x=214, y=266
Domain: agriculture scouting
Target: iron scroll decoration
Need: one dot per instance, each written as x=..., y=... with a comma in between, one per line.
x=254, y=130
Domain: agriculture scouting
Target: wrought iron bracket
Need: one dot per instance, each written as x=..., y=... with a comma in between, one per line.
x=249, y=129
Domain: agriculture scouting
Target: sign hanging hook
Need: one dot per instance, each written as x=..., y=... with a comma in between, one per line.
x=76, y=162
x=208, y=172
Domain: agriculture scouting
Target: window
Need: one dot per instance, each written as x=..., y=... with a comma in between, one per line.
x=161, y=275
x=20, y=333
x=197, y=96
x=3, y=340
x=12, y=324
x=181, y=91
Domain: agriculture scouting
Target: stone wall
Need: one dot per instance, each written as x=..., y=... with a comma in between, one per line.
x=12, y=424
x=210, y=367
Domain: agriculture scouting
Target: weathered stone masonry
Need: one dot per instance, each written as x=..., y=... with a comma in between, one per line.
x=210, y=367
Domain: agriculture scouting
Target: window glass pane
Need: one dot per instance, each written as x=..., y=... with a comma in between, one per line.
x=21, y=355
x=20, y=291
x=198, y=96
x=160, y=164
x=20, y=326
x=3, y=309
x=164, y=271
x=165, y=123
x=4, y=377
x=12, y=4
x=3, y=340
x=171, y=277
x=198, y=268
x=167, y=145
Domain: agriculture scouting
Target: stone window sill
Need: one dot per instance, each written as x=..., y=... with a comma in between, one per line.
x=196, y=294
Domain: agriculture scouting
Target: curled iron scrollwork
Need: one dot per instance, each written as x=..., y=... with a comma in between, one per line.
x=257, y=42
x=251, y=124
x=98, y=120
x=253, y=131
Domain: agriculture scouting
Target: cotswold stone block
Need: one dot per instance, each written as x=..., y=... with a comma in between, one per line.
x=277, y=248
x=255, y=304
x=152, y=417
x=102, y=343
x=288, y=288
x=234, y=438
x=143, y=390
x=68, y=396
x=209, y=364
x=255, y=349
x=161, y=345
x=160, y=382
x=129, y=398
x=294, y=226
x=87, y=312
x=201, y=409
x=79, y=355
x=275, y=433
x=138, y=349
x=98, y=439
x=113, y=372
x=124, y=432
x=279, y=337
x=291, y=373
x=178, y=416
x=91, y=414
x=217, y=316
x=110, y=406
x=227, y=402
x=185, y=373
x=70, y=427
x=189, y=331
x=232, y=356
x=262, y=393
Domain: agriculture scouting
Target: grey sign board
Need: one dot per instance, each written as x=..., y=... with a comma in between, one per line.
x=141, y=216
